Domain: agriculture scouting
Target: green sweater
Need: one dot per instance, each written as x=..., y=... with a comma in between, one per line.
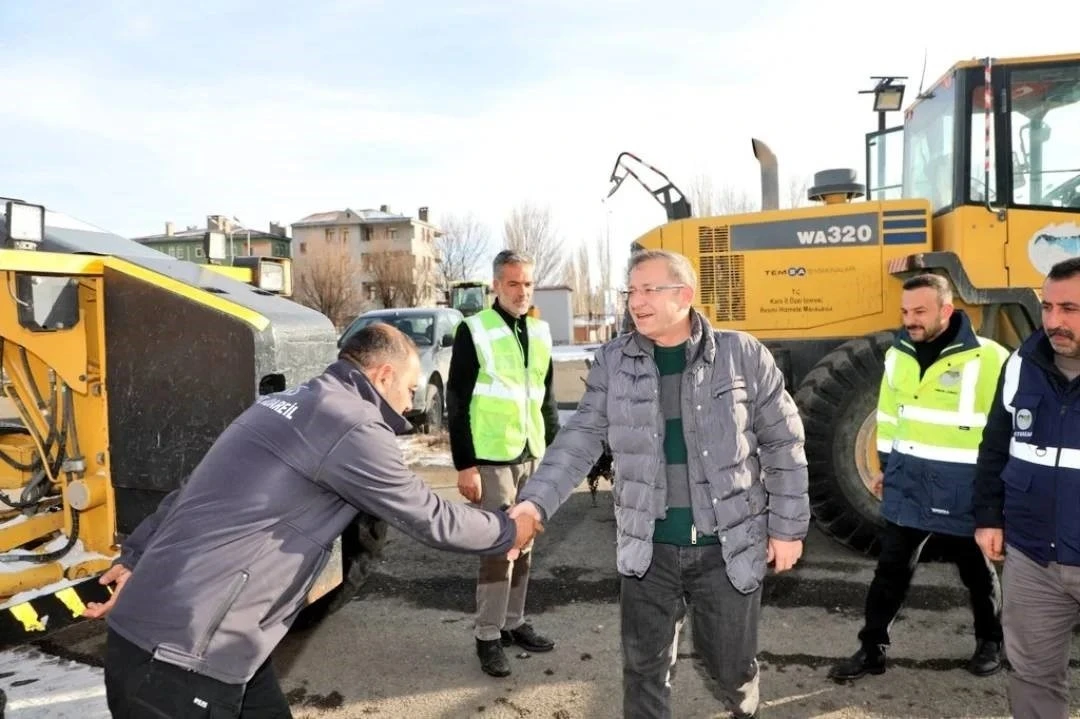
x=677, y=527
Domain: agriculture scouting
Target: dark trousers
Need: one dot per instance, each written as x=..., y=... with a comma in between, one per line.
x=900, y=550
x=724, y=629
x=139, y=687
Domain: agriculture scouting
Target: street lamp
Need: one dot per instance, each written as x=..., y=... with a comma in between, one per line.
x=888, y=95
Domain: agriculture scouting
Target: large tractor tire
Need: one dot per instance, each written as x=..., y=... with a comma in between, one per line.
x=838, y=403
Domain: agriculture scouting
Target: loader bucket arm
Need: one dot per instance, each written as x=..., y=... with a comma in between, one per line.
x=668, y=195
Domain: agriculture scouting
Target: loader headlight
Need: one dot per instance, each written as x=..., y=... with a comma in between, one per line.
x=214, y=245
x=271, y=277
x=25, y=226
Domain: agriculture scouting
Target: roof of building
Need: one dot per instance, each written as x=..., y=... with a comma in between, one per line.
x=351, y=216
x=197, y=234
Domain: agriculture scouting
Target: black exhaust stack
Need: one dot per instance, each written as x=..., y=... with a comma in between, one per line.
x=770, y=177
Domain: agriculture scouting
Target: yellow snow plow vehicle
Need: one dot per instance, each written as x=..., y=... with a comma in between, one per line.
x=120, y=366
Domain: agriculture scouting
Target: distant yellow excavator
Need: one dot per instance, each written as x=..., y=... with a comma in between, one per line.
x=981, y=183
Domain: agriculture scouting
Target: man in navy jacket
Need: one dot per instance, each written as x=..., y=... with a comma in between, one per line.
x=1027, y=503
x=208, y=585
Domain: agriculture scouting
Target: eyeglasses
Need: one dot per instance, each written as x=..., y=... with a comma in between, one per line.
x=648, y=291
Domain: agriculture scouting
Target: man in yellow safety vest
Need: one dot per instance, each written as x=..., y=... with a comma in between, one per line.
x=939, y=383
x=502, y=415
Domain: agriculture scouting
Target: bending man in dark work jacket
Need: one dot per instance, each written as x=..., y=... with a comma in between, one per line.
x=208, y=585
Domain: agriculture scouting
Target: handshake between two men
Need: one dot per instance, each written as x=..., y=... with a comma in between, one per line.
x=526, y=518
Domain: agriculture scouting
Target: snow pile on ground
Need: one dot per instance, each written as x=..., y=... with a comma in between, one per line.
x=426, y=450
x=41, y=686
x=573, y=353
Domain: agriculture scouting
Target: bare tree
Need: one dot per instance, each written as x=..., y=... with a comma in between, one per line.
x=529, y=229
x=328, y=281
x=582, y=286
x=604, y=269
x=463, y=247
x=706, y=201
x=417, y=288
x=798, y=186
x=391, y=273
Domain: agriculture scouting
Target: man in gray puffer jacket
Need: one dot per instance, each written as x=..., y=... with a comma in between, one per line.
x=710, y=483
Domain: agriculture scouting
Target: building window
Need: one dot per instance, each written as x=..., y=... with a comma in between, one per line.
x=198, y=252
x=303, y=248
x=344, y=236
x=329, y=234
x=393, y=233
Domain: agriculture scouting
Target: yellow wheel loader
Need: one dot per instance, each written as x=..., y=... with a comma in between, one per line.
x=980, y=183
x=120, y=366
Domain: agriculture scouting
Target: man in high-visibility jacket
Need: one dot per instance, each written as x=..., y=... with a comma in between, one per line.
x=933, y=403
x=502, y=416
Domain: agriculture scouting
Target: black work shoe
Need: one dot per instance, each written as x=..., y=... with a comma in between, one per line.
x=492, y=659
x=986, y=660
x=527, y=638
x=868, y=660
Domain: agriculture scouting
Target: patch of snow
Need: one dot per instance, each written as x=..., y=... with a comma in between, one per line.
x=76, y=555
x=41, y=686
x=573, y=353
x=421, y=450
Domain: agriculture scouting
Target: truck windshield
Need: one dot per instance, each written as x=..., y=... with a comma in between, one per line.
x=929, y=147
x=1045, y=118
x=467, y=299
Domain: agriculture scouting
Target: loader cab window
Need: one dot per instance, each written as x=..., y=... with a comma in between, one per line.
x=1045, y=131
x=929, y=147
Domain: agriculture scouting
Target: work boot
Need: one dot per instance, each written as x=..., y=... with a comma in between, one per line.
x=527, y=638
x=492, y=659
x=986, y=660
x=868, y=660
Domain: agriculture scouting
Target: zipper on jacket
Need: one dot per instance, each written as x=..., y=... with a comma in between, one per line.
x=215, y=622
x=693, y=534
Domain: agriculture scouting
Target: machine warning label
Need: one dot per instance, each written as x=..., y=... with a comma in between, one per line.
x=842, y=231
x=795, y=303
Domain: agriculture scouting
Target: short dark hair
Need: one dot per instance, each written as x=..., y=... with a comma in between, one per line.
x=375, y=344
x=935, y=282
x=1065, y=269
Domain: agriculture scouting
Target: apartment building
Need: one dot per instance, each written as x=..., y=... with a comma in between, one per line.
x=188, y=243
x=391, y=258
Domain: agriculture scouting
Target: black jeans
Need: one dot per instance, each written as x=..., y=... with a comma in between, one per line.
x=139, y=687
x=724, y=628
x=900, y=550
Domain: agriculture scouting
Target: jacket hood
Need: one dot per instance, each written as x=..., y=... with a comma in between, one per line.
x=350, y=376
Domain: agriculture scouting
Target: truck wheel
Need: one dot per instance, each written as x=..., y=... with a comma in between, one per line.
x=362, y=543
x=434, y=416
x=838, y=403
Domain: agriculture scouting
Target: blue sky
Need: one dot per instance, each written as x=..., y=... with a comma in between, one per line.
x=129, y=114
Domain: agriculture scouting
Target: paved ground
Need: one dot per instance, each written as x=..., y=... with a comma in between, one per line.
x=405, y=650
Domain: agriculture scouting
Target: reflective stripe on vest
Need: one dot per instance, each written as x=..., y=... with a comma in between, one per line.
x=1066, y=457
